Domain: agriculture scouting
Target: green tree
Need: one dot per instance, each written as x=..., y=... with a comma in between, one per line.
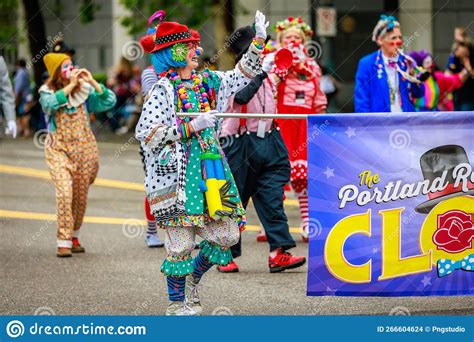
x=8, y=28
x=193, y=13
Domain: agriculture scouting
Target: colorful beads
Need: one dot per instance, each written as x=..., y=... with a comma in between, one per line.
x=257, y=44
x=184, y=102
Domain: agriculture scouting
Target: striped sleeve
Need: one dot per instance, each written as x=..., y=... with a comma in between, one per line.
x=149, y=78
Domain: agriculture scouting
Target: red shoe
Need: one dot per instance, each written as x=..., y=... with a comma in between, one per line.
x=231, y=267
x=262, y=237
x=285, y=261
x=76, y=246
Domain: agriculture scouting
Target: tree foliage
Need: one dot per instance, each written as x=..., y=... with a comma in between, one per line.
x=8, y=25
x=190, y=12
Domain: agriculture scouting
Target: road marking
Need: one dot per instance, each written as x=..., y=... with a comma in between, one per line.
x=25, y=215
x=43, y=174
x=105, y=182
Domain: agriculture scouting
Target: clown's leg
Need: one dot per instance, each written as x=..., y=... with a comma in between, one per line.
x=152, y=240
x=299, y=183
x=177, y=265
x=215, y=250
x=59, y=167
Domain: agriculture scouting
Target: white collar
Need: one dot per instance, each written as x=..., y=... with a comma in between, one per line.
x=80, y=97
x=389, y=59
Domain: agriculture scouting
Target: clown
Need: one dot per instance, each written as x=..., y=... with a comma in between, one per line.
x=384, y=81
x=71, y=149
x=187, y=176
x=259, y=161
x=438, y=85
x=298, y=92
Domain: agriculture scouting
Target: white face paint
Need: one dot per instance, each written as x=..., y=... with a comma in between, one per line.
x=66, y=70
x=427, y=63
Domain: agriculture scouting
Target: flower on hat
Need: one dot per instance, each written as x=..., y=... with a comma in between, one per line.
x=292, y=22
x=179, y=52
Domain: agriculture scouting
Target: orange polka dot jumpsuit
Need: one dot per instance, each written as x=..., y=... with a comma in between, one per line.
x=72, y=157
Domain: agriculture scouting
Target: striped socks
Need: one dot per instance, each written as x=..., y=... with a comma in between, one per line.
x=176, y=287
x=150, y=219
x=303, y=200
x=201, y=266
x=151, y=230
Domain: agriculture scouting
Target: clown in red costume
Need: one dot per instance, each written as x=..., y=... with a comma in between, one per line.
x=298, y=92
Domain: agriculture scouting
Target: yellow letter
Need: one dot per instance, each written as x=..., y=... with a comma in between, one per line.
x=393, y=265
x=363, y=175
x=334, y=257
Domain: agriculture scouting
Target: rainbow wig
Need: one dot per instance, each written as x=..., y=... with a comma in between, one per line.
x=162, y=60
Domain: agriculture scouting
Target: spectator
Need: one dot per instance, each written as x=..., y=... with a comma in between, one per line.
x=463, y=58
x=7, y=102
x=23, y=97
x=437, y=85
x=125, y=83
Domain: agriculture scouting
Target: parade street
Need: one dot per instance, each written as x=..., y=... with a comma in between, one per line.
x=119, y=275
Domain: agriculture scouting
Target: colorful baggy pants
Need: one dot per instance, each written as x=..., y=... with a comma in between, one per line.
x=217, y=236
x=73, y=160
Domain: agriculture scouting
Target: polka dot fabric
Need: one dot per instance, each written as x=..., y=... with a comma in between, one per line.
x=446, y=266
x=160, y=111
x=299, y=177
x=72, y=157
x=180, y=241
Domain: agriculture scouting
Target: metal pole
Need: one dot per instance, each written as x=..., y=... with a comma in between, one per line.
x=249, y=115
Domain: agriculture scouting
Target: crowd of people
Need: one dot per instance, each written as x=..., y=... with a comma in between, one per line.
x=201, y=171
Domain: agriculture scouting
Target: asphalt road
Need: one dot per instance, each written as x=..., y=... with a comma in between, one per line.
x=119, y=275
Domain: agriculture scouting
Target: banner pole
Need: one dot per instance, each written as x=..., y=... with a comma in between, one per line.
x=250, y=115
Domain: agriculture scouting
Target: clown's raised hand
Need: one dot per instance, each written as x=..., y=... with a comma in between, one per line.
x=260, y=25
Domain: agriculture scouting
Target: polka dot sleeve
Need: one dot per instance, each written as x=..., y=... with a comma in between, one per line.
x=156, y=127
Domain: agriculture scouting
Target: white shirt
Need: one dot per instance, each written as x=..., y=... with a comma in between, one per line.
x=392, y=76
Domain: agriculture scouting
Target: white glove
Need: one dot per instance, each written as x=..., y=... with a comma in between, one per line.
x=268, y=62
x=204, y=120
x=11, y=128
x=260, y=25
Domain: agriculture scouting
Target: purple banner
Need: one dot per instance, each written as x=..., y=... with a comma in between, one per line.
x=391, y=204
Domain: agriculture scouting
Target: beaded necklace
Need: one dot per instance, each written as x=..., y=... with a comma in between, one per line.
x=184, y=102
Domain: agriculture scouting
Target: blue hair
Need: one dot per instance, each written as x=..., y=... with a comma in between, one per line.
x=162, y=60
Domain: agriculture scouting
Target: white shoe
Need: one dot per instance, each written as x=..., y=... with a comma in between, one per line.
x=192, y=296
x=122, y=130
x=179, y=309
x=153, y=241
